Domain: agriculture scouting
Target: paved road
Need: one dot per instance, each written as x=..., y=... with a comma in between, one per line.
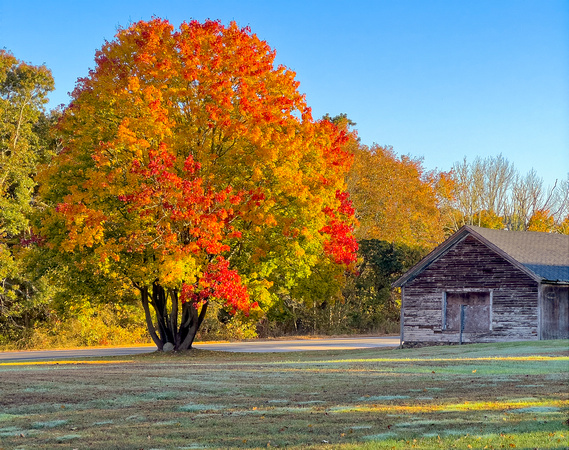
x=292, y=345
x=297, y=345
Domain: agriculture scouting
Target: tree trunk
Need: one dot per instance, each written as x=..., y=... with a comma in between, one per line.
x=160, y=304
x=166, y=329
x=173, y=320
x=190, y=326
x=148, y=316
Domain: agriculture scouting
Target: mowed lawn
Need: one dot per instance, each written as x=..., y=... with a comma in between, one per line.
x=512, y=395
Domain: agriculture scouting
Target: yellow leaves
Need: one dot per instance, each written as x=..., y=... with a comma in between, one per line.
x=107, y=254
x=175, y=267
x=304, y=231
x=260, y=218
x=85, y=226
x=128, y=137
x=257, y=174
x=256, y=134
x=133, y=84
x=541, y=220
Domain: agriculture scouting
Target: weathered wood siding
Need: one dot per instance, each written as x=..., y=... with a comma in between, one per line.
x=554, y=308
x=470, y=266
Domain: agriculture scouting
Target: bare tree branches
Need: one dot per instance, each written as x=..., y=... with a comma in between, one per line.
x=490, y=192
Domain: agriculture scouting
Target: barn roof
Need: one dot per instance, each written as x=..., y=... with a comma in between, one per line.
x=543, y=256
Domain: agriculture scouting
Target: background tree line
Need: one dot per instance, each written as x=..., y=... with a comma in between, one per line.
x=489, y=192
x=402, y=212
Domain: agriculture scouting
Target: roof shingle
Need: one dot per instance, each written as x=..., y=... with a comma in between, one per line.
x=545, y=254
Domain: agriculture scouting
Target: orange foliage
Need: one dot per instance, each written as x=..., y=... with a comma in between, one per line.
x=541, y=220
x=394, y=199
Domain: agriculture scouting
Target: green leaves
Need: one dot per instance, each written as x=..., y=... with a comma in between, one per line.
x=23, y=91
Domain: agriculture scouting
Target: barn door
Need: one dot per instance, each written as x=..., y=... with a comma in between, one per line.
x=475, y=315
x=555, y=312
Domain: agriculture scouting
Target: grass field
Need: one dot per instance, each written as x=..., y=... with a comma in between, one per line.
x=512, y=395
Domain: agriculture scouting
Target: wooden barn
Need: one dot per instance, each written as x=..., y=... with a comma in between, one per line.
x=484, y=285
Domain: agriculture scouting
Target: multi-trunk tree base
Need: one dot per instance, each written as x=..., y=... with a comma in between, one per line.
x=167, y=329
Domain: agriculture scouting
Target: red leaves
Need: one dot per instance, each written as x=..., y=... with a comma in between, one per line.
x=32, y=239
x=221, y=283
x=345, y=207
x=341, y=244
x=191, y=166
x=187, y=293
x=180, y=202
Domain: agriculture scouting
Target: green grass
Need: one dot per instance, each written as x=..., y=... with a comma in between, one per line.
x=497, y=396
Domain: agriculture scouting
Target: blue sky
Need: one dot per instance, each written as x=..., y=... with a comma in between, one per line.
x=437, y=79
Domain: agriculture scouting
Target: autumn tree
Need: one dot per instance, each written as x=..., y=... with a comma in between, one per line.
x=23, y=95
x=394, y=198
x=192, y=169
